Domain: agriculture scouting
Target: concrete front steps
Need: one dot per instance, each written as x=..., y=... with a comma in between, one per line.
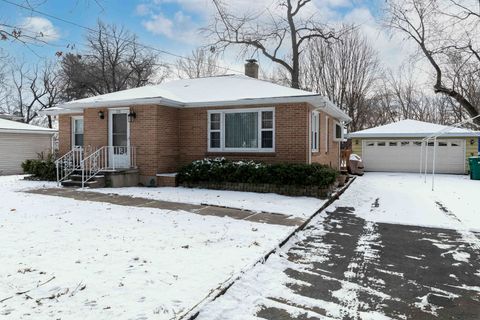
x=108, y=178
x=75, y=181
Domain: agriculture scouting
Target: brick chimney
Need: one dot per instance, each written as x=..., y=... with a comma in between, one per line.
x=251, y=68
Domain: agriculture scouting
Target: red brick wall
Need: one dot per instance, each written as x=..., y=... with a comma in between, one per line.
x=95, y=130
x=154, y=133
x=326, y=156
x=291, y=135
x=166, y=138
x=64, y=133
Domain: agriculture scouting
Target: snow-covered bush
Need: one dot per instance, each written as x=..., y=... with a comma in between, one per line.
x=220, y=170
x=42, y=168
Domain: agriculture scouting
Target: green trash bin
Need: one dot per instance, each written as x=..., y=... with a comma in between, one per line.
x=474, y=163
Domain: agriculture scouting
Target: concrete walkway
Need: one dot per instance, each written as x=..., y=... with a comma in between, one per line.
x=262, y=217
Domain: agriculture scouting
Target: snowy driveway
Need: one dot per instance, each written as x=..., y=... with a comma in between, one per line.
x=66, y=259
x=390, y=248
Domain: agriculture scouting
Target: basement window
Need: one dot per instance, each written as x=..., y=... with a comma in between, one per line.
x=241, y=130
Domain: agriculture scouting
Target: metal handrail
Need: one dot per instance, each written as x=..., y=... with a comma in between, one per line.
x=103, y=159
x=69, y=163
x=93, y=164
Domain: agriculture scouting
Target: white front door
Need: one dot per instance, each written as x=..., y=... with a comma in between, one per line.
x=118, y=138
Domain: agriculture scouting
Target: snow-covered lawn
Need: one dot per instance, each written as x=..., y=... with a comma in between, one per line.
x=69, y=259
x=404, y=198
x=302, y=207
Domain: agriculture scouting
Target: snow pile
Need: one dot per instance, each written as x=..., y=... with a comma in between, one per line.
x=63, y=258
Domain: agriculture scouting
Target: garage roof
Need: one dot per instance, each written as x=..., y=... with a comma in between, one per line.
x=9, y=126
x=412, y=128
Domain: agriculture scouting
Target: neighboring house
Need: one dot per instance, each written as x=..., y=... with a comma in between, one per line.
x=397, y=147
x=159, y=128
x=21, y=141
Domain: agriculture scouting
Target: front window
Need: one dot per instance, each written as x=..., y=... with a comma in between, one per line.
x=77, y=131
x=327, y=135
x=248, y=130
x=338, y=132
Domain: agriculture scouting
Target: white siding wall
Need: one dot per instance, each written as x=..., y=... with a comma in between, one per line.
x=17, y=147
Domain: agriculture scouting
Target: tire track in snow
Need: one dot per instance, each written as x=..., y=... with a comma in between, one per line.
x=467, y=235
x=365, y=255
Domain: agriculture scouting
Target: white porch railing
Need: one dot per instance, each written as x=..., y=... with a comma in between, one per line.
x=69, y=163
x=107, y=158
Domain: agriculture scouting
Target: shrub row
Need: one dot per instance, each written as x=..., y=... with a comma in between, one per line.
x=42, y=168
x=221, y=170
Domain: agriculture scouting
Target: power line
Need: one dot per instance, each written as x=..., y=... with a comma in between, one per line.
x=96, y=31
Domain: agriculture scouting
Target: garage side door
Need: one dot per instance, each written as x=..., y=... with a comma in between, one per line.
x=17, y=147
x=404, y=156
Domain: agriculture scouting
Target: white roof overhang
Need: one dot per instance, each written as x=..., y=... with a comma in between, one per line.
x=319, y=102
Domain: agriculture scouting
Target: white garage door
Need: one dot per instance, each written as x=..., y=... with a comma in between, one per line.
x=404, y=156
x=18, y=147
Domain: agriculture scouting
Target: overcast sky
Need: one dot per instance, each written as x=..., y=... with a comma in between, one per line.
x=173, y=25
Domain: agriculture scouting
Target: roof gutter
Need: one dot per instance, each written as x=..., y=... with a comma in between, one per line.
x=28, y=131
x=330, y=108
x=412, y=135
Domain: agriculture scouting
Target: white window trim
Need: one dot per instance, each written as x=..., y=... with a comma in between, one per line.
x=335, y=124
x=222, y=131
x=73, y=130
x=327, y=135
x=315, y=116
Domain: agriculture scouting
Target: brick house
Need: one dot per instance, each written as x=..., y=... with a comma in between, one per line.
x=156, y=129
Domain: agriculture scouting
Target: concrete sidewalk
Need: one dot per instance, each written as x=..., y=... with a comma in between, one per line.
x=261, y=217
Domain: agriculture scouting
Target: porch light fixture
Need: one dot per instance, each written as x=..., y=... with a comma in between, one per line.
x=472, y=141
x=101, y=114
x=131, y=116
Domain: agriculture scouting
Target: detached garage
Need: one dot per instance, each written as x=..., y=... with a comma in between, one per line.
x=397, y=147
x=19, y=142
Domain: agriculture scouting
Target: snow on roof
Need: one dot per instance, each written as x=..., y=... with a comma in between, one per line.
x=204, y=92
x=10, y=126
x=411, y=128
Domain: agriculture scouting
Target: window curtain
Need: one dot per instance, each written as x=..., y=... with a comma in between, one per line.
x=241, y=130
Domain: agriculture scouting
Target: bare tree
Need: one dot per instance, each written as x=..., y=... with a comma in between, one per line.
x=282, y=39
x=200, y=63
x=18, y=33
x=27, y=89
x=32, y=88
x=52, y=88
x=399, y=96
x=3, y=79
x=113, y=61
x=446, y=34
x=345, y=71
